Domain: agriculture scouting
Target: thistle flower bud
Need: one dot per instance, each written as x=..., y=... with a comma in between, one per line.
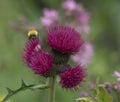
x=41, y=63
x=30, y=49
x=72, y=78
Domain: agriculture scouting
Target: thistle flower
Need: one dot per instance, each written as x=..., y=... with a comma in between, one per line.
x=117, y=74
x=72, y=78
x=41, y=63
x=85, y=54
x=64, y=39
x=83, y=29
x=69, y=5
x=83, y=18
x=49, y=17
x=50, y=13
x=31, y=47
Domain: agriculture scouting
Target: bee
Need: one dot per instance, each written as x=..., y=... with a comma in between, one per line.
x=32, y=34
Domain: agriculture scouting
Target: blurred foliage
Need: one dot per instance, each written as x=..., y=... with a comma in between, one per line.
x=105, y=35
x=99, y=94
x=84, y=99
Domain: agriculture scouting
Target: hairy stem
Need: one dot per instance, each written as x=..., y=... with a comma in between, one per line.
x=52, y=81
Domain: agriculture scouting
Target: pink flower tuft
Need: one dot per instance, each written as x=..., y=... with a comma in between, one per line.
x=69, y=5
x=41, y=63
x=83, y=18
x=72, y=78
x=31, y=47
x=64, y=39
x=84, y=56
x=49, y=17
x=53, y=14
x=46, y=22
x=117, y=74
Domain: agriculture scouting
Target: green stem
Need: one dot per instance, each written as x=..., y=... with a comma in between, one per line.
x=52, y=81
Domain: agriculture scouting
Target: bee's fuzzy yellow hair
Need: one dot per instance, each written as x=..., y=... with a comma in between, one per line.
x=32, y=32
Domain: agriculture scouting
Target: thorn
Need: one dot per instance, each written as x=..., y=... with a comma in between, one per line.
x=23, y=84
x=9, y=90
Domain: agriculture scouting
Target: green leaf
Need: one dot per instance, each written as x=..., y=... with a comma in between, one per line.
x=23, y=88
x=116, y=95
x=101, y=95
x=84, y=99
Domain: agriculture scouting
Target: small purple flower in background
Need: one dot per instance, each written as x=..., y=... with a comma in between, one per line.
x=83, y=29
x=23, y=25
x=78, y=13
x=83, y=17
x=50, y=17
x=72, y=78
x=85, y=54
x=117, y=74
x=83, y=22
x=84, y=94
x=64, y=39
x=50, y=13
x=69, y=5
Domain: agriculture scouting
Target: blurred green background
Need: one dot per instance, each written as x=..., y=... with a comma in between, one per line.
x=105, y=36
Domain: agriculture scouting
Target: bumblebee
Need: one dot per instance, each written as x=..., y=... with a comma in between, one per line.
x=32, y=34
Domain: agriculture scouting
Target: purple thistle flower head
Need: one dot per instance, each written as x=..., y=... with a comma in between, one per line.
x=72, y=78
x=41, y=63
x=31, y=47
x=64, y=39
